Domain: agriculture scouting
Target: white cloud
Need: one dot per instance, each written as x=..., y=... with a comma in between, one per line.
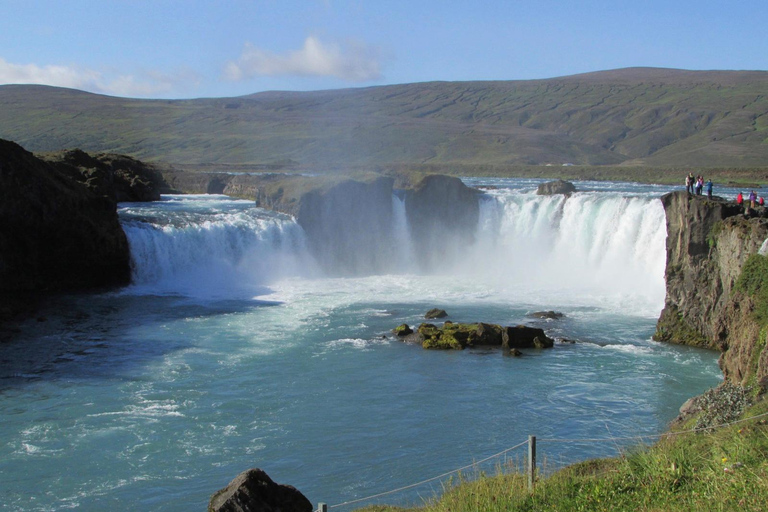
x=147, y=83
x=354, y=62
x=63, y=76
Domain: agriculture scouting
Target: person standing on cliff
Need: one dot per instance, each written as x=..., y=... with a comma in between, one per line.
x=740, y=199
x=689, y=183
x=752, y=199
x=709, y=188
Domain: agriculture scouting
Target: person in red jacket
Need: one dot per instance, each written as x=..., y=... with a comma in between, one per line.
x=739, y=199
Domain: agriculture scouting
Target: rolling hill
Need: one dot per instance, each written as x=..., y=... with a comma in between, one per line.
x=628, y=117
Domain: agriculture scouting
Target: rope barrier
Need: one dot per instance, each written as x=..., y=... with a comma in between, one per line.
x=430, y=479
x=553, y=440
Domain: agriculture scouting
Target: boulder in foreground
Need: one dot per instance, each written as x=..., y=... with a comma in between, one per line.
x=253, y=491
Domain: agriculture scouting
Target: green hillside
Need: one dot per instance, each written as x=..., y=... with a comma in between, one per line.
x=633, y=117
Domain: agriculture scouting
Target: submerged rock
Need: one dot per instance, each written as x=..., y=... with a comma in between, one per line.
x=550, y=315
x=556, y=187
x=253, y=491
x=435, y=313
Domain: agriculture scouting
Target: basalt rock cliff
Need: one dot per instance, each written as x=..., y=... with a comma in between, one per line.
x=59, y=229
x=709, y=242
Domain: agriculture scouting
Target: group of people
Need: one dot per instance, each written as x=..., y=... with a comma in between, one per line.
x=753, y=200
x=694, y=185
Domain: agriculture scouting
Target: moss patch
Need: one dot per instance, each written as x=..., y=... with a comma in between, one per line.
x=673, y=328
x=753, y=281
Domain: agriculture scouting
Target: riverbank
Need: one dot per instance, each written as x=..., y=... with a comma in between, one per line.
x=722, y=469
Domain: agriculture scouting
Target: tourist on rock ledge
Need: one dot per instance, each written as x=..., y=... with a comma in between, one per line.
x=709, y=188
x=752, y=199
x=740, y=199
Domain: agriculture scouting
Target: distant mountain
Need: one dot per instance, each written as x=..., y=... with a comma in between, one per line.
x=634, y=116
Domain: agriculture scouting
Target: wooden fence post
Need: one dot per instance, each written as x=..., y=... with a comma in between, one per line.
x=531, y=462
x=322, y=507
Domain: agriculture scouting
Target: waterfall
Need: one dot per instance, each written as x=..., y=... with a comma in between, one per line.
x=211, y=246
x=588, y=241
x=605, y=243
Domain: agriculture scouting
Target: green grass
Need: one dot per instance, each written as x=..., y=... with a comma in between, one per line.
x=720, y=470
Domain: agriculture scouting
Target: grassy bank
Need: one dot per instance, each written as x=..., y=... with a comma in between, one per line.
x=721, y=469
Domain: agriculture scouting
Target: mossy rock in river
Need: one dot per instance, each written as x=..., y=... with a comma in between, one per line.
x=457, y=336
x=402, y=330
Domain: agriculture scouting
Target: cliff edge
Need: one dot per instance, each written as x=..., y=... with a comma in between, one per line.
x=59, y=229
x=711, y=244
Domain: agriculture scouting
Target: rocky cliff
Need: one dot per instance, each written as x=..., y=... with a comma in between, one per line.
x=709, y=244
x=56, y=233
x=119, y=177
x=59, y=229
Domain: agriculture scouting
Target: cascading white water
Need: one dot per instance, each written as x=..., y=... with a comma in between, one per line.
x=591, y=244
x=401, y=235
x=609, y=244
x=233, y=248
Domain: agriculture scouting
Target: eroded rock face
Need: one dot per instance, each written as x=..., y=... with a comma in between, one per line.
x=442, y=216
x=57, y=233
x=708, y=243
x=254, y=491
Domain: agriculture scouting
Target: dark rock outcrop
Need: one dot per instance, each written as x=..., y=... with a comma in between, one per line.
x=435, y=313
x=708, y=244
x=442, y=216
x=254, y=491
x=556, y=187
x=458, y=336
x=196, y=182
x=548, y=315
x=119, y=177
x=349, y=225
x=522, y=336
x=57, y=233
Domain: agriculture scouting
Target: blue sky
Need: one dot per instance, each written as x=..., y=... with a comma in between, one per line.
x=197, y=48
